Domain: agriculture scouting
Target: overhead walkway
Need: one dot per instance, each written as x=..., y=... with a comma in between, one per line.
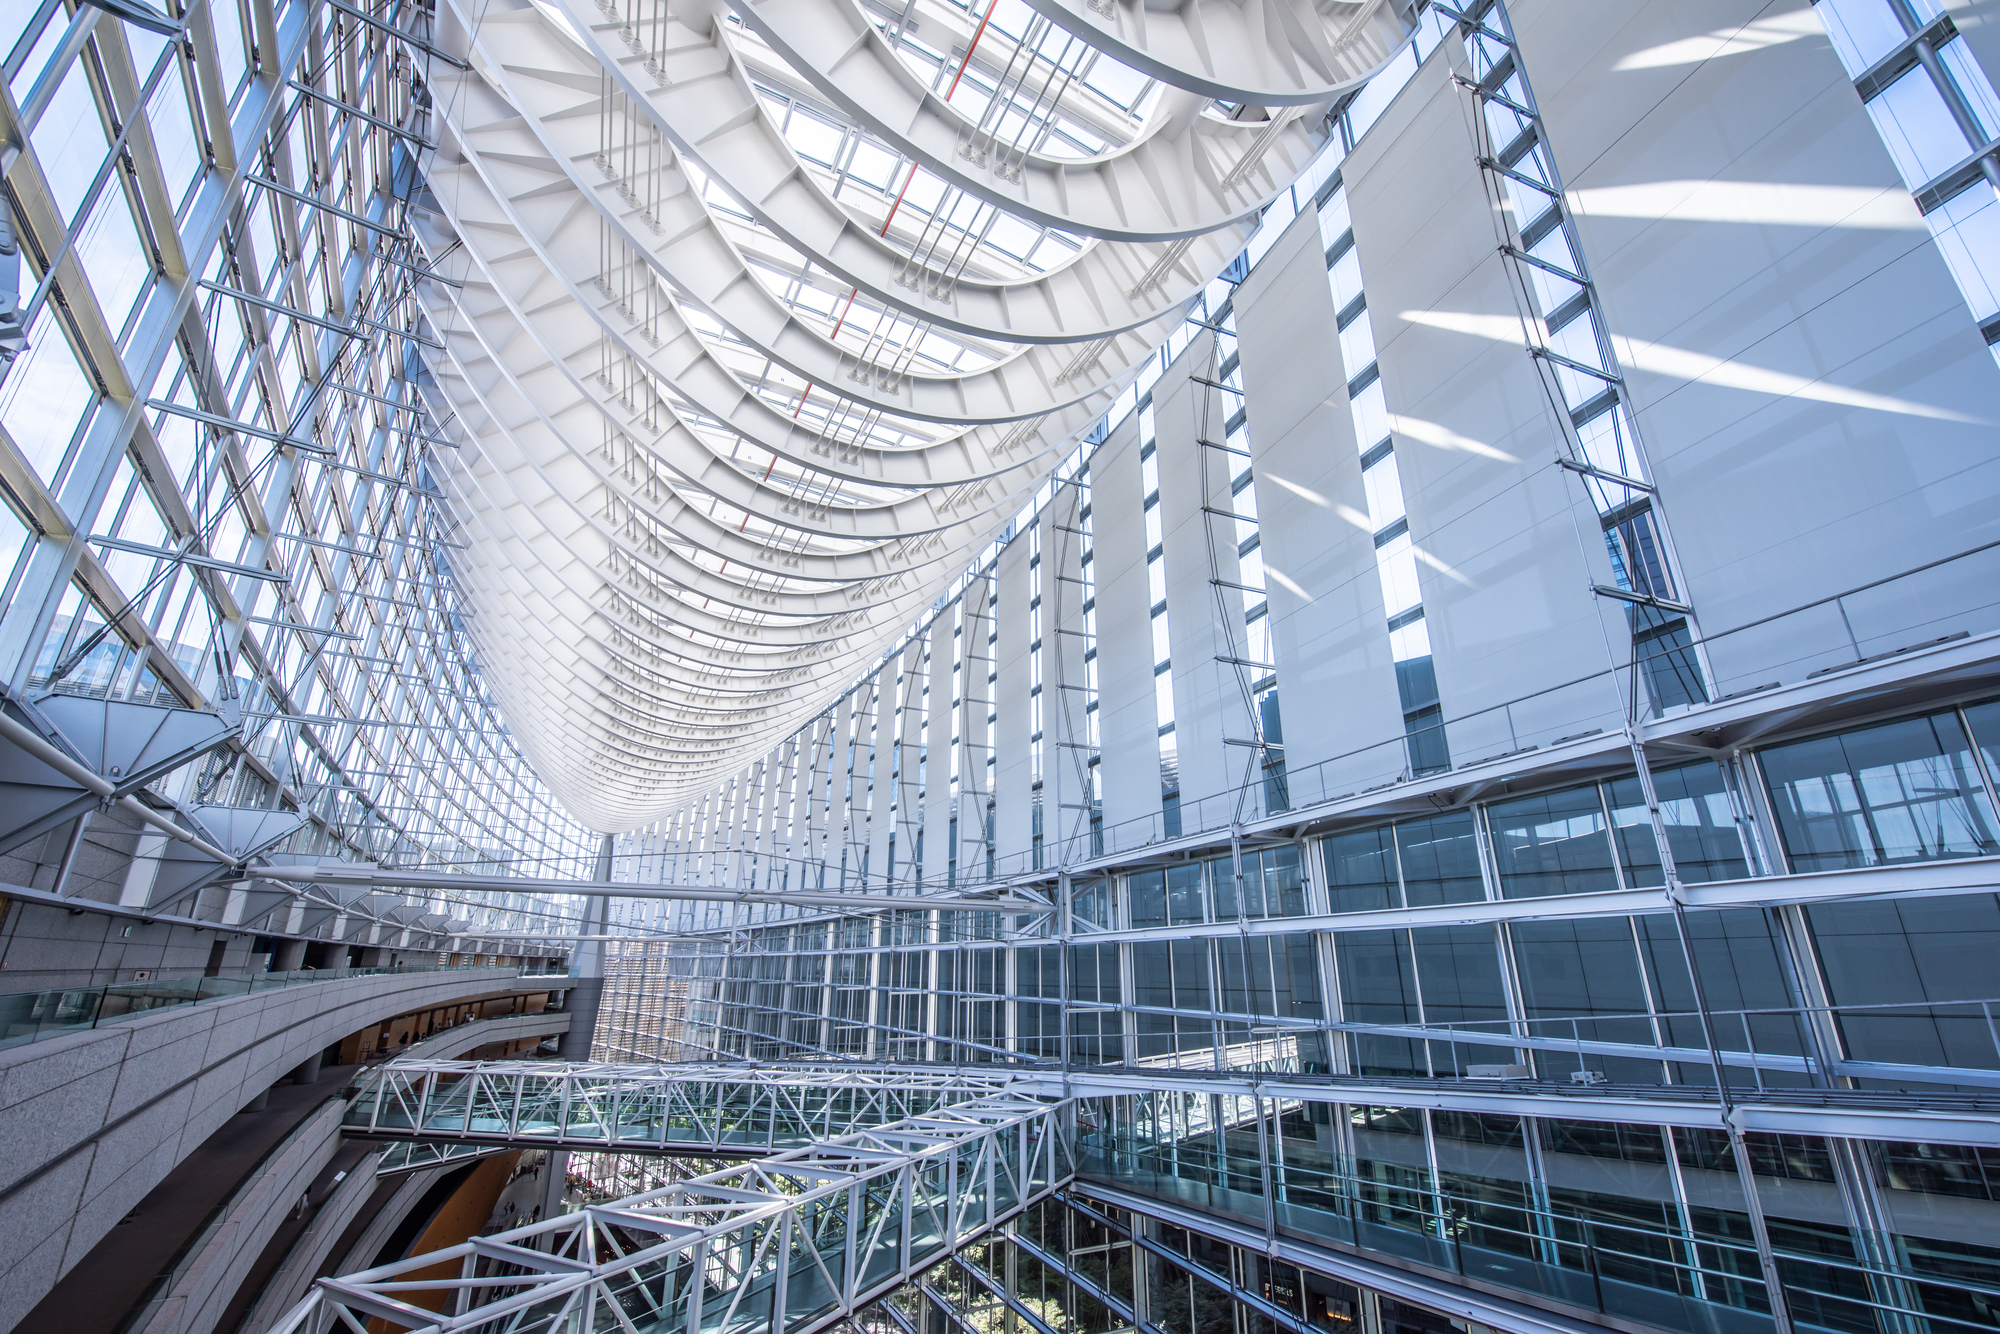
x=726, y=1110
x=865, y=1175
x=793, y=1242
x=701, y=1110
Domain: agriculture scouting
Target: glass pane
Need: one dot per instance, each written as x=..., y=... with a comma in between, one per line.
x=1571, y=973
x=1149, y=898
x=44, y=399
x=1396, y=563
x=1863, y=31
x=1483, y=1171
x=1905, y=791
x=1701, y=828
x=1742, y=968
x=1985, y=722
x=117, y=263
x=1361, y=870
x=1184, y=896
x=1459, y=968
x=1552, y=844
x=1967, y=230
x=1424, y=735
x=69, y=141
x=1911, y=116
x=1271, y=884
x=1441, y=860
x=1972, y=83
x=1378, y=985
x=1911, y=960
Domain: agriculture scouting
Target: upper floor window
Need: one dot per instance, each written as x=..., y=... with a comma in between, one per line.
x=1206, y=891
x=1905, y=791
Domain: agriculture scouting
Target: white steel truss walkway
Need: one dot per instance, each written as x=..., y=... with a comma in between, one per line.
x=698, y=1110
x=723, y=1109
x=794, y=1242
x=868, y=1175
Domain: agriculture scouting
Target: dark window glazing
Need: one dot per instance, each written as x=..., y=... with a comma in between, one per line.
x=1575, y=976
x=1909, y=960
x=1905, y=791
x=1413, y=864
x=1701, y=826
x=1552, y=843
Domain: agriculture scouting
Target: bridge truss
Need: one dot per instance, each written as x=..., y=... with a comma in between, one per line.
x=698, y=1110
x=794, y=1242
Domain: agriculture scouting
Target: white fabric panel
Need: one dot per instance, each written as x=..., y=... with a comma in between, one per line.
x=883, y=821
x=1816, y=399
x=888, y=693
x=758, y=821
x=937, y=808
x=840, y=818
x=1065, y=701
x=743, y=801
x=974, y=693
x=804, y=818
x=810, y=814
x=795, y=803
x=1979, y=22
x=1209, y=707
x=1509, y=547
x=870, y=799
x=1128, y=727
x=1336, y=682
x=1013, y=823
x=910, y=810
x=724, y=865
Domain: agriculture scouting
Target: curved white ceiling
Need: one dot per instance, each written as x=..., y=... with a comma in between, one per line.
x=732, y=424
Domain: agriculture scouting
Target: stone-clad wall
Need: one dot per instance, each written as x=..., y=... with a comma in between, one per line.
x=94, y=1120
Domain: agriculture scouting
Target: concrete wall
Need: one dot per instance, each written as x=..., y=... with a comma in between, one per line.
x=210, y=1276
x=43, y=947
x=207, y=1278
x=94, y=1120
x=337, y=1213
x=102, y=860
x=454, y=1042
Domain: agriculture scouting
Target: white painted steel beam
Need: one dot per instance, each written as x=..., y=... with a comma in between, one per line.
x=1192, y=170
x=360, y=874
x=793, y=1242
x=668, y=563
x=1265, y=52
x=585, y=1103
x=690, y=1109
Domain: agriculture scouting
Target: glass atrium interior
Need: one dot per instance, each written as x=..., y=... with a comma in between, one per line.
x=1000, y=666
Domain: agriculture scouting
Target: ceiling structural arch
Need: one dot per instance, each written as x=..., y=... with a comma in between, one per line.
x=734, y=420
x=1265, y=53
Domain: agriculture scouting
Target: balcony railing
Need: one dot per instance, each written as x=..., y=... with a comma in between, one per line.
x=31, y=1016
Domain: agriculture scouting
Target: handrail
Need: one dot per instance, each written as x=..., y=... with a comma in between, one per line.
x=1306, y=789
x=32, y=1016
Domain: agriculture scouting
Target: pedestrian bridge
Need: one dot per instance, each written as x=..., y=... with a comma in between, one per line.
x=864, y=1182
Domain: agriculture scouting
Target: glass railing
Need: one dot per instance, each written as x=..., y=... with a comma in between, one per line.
x=1689, y=1271
x=31, y=1016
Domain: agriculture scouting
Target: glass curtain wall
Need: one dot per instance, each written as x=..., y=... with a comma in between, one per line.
x=219, y=451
